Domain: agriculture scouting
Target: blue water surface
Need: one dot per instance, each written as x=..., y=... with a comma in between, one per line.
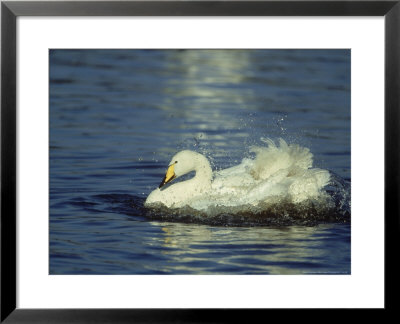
x=118, y=116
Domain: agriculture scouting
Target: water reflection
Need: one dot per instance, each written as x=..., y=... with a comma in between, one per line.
x=289, y=250
x=203, y=99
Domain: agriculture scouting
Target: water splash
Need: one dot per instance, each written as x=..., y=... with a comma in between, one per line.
x=335, y=207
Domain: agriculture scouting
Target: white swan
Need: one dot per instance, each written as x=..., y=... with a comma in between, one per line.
x=283, y=171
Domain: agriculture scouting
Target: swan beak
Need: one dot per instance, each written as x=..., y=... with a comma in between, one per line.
x=169, y=176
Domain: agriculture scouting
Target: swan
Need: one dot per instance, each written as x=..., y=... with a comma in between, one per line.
x=277, y=171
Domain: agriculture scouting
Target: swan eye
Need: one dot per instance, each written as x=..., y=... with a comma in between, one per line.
x=176, y=161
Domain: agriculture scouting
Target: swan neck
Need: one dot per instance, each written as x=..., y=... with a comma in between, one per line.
x=203, y=170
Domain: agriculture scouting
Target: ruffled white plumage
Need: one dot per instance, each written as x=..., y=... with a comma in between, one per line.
x=277, y=172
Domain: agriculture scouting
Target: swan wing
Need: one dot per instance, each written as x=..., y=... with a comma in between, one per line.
x=236, y=178
x=274, y=158
x=242, y=168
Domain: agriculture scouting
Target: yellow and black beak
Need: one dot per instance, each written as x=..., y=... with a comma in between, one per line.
x=169, y=176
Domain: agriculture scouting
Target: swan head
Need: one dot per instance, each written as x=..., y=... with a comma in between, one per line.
x=184, y=162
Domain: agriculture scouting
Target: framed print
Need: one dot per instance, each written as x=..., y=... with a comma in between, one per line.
x=180, y=160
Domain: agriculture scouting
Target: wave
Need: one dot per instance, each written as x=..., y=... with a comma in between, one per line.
x=334, y=207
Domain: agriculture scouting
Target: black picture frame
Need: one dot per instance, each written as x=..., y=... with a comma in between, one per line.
x=10, y=10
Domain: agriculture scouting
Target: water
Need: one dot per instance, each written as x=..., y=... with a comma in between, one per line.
x=118, y=116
